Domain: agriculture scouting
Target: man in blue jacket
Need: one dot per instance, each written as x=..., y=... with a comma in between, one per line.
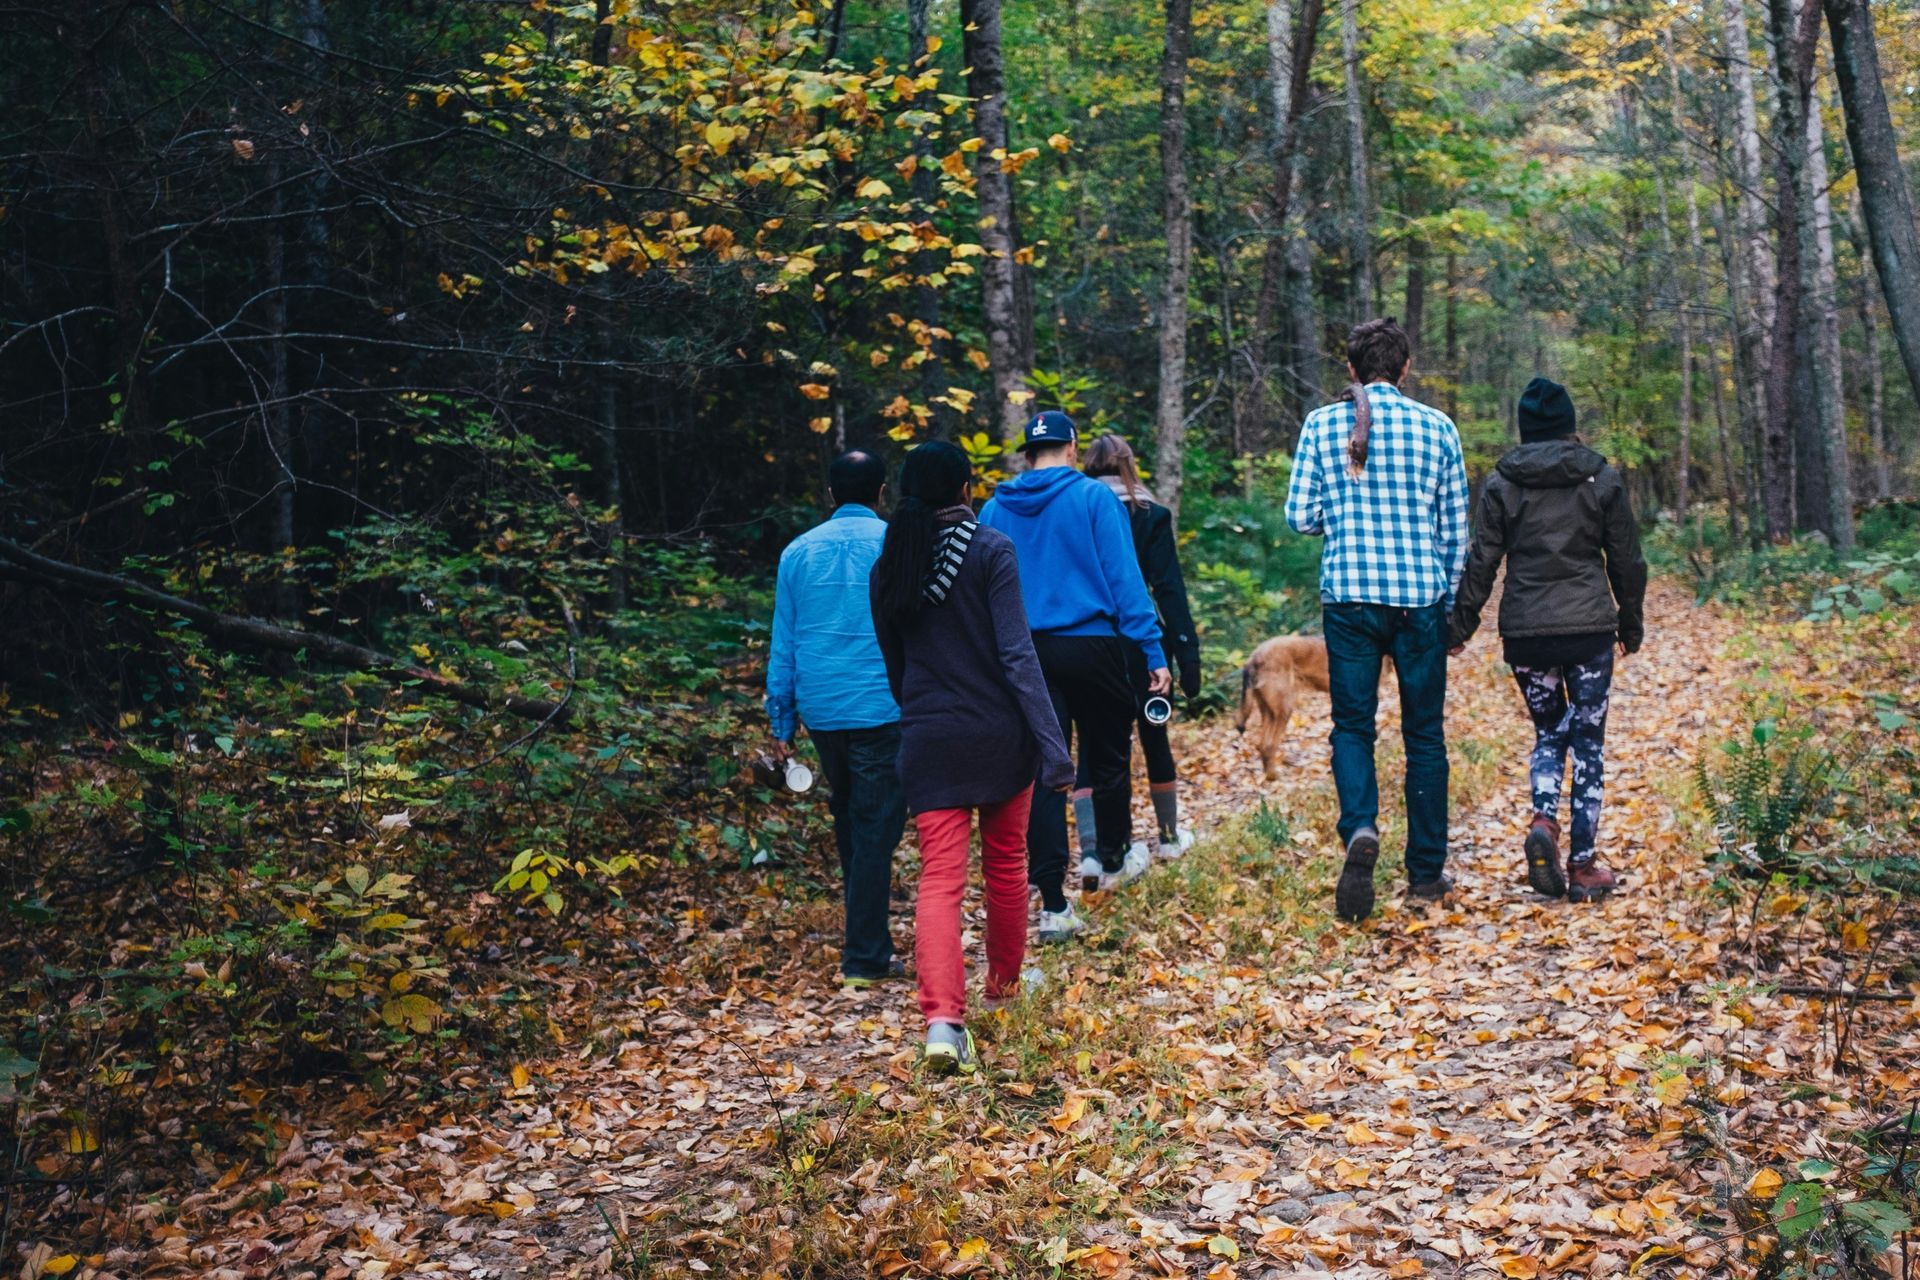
x=825, y=670
x=1086, y=602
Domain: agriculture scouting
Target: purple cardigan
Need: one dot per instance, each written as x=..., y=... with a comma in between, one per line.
x=976, y=724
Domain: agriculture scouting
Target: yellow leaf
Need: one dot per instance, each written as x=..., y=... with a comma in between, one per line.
x=1317, y=1121
x=59, y=1266
x=971, y=1251
x=1076, y=1106
x=819, y=426
x=1223, y=1247
x=521, y=1076
x=1853, y=934
x=719, y=137
x=1060, y=142
x=815, y=390
x=1082, y=1062
x=1358, y=1135
x=873, y=189
x=1764, y=1184
x=81, y=1139
x=1520, y=1266
x=414, y=1012
x=1351, y=1173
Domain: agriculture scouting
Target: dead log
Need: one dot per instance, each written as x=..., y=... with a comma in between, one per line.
x=259, y=633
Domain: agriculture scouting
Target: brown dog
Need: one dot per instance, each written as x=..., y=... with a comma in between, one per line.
x=1271, y=683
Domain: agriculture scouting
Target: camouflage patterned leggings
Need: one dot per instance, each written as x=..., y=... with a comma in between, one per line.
x=1569, y=710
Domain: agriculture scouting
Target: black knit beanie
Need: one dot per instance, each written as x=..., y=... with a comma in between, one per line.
x=1546, y=411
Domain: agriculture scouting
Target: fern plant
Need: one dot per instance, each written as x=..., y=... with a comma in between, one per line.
x=1764, y=793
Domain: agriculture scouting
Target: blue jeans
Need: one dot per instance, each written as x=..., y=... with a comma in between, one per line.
x=869, y=814
x=1359, y=636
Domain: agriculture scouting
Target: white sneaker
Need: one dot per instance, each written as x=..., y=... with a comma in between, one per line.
x=1058, y=926
x=1132, y=867
x=1032, y=979
x=1183, y=840
x=1091, y=872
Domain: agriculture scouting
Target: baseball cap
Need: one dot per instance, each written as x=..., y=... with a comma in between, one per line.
x=1051, y=427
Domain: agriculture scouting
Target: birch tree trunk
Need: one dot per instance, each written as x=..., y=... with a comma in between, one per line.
x=1883, y=185
x=1752, y=275
x=1823, y=314
x=1170, y=434
x=999, y=283
x=1360, y=250
x=1682, y=308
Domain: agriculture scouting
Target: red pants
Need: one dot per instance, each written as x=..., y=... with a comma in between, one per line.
x=944, y=837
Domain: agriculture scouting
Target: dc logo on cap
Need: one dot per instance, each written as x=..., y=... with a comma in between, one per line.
x=1040, y=427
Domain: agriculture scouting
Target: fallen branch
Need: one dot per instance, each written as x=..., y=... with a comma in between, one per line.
x=258, y=633
x=1835, y=993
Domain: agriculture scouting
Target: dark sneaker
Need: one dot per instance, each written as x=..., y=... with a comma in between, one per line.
x=1432, y=890
x=1543, y=858
x=1353, y=896
x=1589, y=882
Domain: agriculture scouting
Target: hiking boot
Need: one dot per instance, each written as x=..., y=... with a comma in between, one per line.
x=1058, y=926
x=1543, y=858
x=1353, y=896
x=950, y=1050
x=1589, y=881
x=1132, y=866
x=1433, y=890
x=854, y=982
x=1091, y=873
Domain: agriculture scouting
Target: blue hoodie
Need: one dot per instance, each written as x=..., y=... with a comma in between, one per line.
x=1078, y=572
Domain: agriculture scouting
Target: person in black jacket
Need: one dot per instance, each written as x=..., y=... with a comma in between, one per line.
x=1110, y=460
x=1576, y=584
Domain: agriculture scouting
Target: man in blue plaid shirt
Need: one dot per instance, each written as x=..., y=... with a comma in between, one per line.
x=1381, y=477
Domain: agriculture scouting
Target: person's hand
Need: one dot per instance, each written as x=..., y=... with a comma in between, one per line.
x=782, y=748
x=1624, y=650
x=1456, y=651
x=1160, y=682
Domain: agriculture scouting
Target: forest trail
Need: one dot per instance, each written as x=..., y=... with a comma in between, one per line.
x=1494, y=1088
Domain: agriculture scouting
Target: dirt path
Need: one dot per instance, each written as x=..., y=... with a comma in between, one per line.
x=1498, y=1087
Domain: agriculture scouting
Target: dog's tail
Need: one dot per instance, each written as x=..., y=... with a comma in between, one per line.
x=1246, y=698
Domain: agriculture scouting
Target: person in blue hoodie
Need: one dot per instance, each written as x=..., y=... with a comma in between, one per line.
x=1086, y=602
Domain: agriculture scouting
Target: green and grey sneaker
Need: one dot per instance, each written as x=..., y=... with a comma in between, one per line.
x=853, y=982
x=950, y=1050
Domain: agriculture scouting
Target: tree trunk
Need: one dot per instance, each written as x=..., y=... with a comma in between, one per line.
x=1823, y=315
x=1452, y=336
x=1793, y=228
x=1883, y=185
x=1305, y=359
x=1753, y=266
x=1360, y=212
x=1007, y=349
x=930, y=347
x=1876, y=375
x=1415, y=318
x=1682, y=306
x=1290, y=43
x=1170, y=432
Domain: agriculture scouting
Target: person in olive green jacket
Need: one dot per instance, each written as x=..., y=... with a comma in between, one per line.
x=1557, y=512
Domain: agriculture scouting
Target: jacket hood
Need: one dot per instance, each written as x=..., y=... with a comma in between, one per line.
x=1551, y=464
x=1030, y=492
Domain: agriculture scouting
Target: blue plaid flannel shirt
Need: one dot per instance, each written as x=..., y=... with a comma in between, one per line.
x=1396, y=532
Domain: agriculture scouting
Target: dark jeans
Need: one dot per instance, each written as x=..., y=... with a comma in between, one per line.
x=869, y=814
x=1358, y=637
x=1093, y=698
